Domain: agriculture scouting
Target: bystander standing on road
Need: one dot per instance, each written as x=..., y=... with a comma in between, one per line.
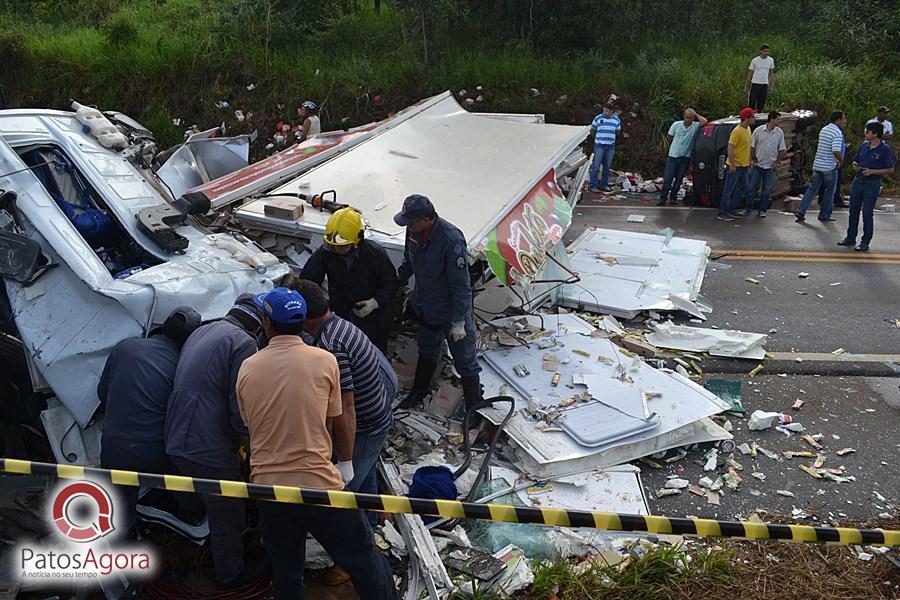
x=828, y=157
x=681, y=141
x=289, y=393
x=767, y=149
x=204, y=426
x=134, y=390
x=738, y=163
x=604, y=129
x=874, y=159
x=760, y=79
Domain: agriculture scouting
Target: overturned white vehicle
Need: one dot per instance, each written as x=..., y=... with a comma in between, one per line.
x=93, y=250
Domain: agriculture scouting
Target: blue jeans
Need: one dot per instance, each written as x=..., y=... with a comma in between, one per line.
x=676, y=169
x=819, y=179
x=463, y=352
x=863, y=195
x=603, y=156
x=367, y=448
x=837, y=187
x=735, y=188
x=767, y=178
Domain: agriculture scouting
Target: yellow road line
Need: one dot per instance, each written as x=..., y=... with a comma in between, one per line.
x=874, y=261
x=844, y=254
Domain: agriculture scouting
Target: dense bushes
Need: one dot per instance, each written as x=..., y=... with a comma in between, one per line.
x=161, y=60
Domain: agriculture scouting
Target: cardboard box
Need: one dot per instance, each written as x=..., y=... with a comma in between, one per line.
x=289, y=210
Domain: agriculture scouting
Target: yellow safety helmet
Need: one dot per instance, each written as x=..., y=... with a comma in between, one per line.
x=344, y=228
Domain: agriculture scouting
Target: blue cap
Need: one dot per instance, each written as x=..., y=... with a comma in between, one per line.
x=414, y=207
x=284, y=306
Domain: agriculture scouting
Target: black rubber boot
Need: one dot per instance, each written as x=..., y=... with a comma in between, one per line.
x=474, y=399
x=425, y=368
x=471, y=386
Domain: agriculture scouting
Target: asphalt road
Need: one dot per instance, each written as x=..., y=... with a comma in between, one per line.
x=842, y=400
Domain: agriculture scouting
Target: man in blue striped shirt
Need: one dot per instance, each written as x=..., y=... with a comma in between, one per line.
x=829, y=156
x=604, y=128
x=368, y=386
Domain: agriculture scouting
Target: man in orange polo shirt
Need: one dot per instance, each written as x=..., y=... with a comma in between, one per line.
x=288, y=395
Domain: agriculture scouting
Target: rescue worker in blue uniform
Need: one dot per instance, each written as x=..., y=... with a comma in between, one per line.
x=441, y=301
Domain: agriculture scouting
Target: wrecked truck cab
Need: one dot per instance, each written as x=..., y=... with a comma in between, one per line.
x=106, y=276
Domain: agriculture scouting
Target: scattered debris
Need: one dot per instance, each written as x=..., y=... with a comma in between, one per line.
x=785, y=493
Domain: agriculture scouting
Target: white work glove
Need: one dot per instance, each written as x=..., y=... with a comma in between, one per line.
x=457, y=330
x=364, y=308
x=346, y=469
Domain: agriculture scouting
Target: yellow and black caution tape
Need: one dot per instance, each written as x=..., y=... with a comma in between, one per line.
x=454, y=509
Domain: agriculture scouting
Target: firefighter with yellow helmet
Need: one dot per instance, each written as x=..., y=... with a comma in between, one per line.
x=362, y=281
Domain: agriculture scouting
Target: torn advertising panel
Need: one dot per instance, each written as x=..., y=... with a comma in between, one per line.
x=716, y=342
x=624, y=273
x=517, y=247
x=459, y=160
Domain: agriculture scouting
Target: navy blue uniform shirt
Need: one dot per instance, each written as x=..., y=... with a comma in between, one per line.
x=437, y=258
x=880, y=157
x=135, y=386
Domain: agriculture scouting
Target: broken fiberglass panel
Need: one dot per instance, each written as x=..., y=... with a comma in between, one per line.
x=624, y=272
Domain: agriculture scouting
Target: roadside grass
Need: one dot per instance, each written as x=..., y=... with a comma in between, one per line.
x=655, y=575
x=159, y=61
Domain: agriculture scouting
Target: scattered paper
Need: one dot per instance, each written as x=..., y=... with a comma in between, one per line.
x=635, y=218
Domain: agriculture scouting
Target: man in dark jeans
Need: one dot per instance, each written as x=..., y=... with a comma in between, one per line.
x=134, y=390
x=760, y=79
x=204, y=426
x=874, y=159
x=289, y=394
x=681, y=141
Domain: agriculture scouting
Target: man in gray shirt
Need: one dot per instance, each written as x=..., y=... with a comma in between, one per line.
x=766, y=151
x=204, y=425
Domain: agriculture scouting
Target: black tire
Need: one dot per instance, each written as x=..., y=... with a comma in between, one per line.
x=805, y=118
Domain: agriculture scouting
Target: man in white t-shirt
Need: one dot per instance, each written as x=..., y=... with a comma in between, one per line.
x=881, y=117
x=760, y=79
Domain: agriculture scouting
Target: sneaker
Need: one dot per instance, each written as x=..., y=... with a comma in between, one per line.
x=761, y=214
x=606, y=189
x=736, y=215
x=746, y=213
x=862, y=248
x=800, y=216
x=594, y=190
x=847, y=242
x=725, y=217
x=827, y=220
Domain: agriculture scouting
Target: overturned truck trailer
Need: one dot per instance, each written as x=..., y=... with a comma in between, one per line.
x=508, y=183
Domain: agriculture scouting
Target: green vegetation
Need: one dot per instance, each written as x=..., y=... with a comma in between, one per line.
x=159, y=60
x=660, y=573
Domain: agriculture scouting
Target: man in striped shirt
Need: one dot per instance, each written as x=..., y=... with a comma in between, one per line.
x=604, y=128
x=829, y=156
x=368, y=386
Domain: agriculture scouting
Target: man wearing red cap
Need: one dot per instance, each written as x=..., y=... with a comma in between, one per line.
x=738, y=162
